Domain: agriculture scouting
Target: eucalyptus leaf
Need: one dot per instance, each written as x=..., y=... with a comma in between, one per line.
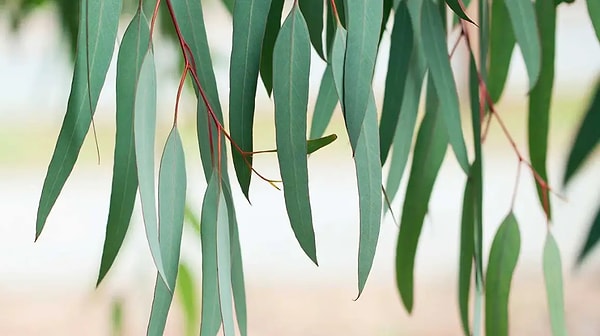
x=327, y=99
x=502, y=44
x=525, y=27
x=554, y=286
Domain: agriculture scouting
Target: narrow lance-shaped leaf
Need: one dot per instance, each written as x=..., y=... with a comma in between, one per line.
x=540, y=99
x=171, y=204
x=524, y=23
x=554, y=286
x=96, y=40
x=434, y=47
x=387, y=10
x=314, y=145
x=124, y=181
x=313, y=13
x=187, y=294
x=224, y=267
x=587, y=138
x=364, y=23
x=368, y=174
x=144, y=124
x=502, y=44
x=190, y=17
x=237, y=270
x=458, y=10
x=271, y=32
x=401, y=47
x=229, y=4
x=249, y=21
x=327, y=99
x=465, y=259
x=290, y=90
x=501, y=265
x=593, y=7
x=211, y=308
x=592, y=238
x=429, y=153
x=336, y=61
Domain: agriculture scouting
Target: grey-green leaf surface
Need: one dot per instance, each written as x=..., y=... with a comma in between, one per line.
x=592, y=238
x=144, y=128
x=554, y=286
x=271, y=32
x=593, y=7
x=314, y=145
x=364, y=23
x=501, y=265
x=187, y=294
x=337, y=59
x=172, y=183
x=524, y=23
x=229, y=4
x=434, y=46
x=587, y=138
x=401, y=47
x=249, y=22
x=465, y=259
x=124, y=181
x=368, y=174
x=458, y=10
x=430, y=149
x=540, y=99
x=96, y=41
x=224, y=267
x=312, y=10
x=211, y=308
x=237, y=270
x=327, y=99
x=290, y=91
x=502, y=44
x=403, y=138
x=191, y=22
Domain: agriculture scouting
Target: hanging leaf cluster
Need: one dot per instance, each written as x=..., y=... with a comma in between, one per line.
x=273, y=42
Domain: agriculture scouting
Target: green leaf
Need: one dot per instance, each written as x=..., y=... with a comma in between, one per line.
x=523, y=19
x=540, y=98
x=314, y=145
x=429, y=153
x=171, y=204
x=95, y=42
x=336, y=61
x=403, y=137
x=117, y=328
x=186, y=290
x=502, y=44
x=191, y=22
x=368, y=174
x=387, y=10
x=144, y=125
x=211, y=308
x=593, y=7
x=458, y=10
x=249, y=22
x=327, y=99
x=592, y=238
x=229, y=4
x=501, y=265
x=401, y=47
x=124, y=182
x=237, y=270
x=554, y=286
x=290, y=91
x=434, y=46
x=224, y=267
x=587, y=138
x=312, y=10
x=364, y=23
x=465, y=265
x=271, y=32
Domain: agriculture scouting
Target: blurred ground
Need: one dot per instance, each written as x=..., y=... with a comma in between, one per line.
x=48, y=287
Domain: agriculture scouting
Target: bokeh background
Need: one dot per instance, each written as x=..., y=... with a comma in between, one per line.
x=49, y=287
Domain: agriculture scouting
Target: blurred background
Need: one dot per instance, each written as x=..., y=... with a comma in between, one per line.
x=49, y=287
